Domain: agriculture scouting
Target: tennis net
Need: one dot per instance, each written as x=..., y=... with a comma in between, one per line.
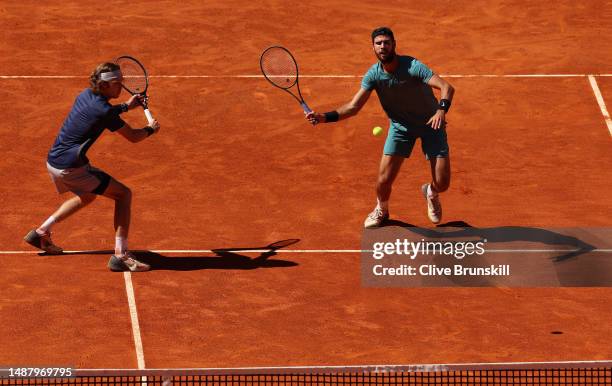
x=531, y=373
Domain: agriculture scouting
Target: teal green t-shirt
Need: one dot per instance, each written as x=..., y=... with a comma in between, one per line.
x=404, y=94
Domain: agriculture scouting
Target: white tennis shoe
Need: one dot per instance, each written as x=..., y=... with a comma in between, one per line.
x=376, y=218
x=434, y=207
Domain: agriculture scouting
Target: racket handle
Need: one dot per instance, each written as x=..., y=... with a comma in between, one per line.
x=149, y=116
x=305, y=108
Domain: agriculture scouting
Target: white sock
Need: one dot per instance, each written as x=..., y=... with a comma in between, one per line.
x=121, y=246
x=384, y=205
x=431, y=192
x=46, y=226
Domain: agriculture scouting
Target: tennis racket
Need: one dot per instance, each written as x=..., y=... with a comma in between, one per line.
x=280, y=68
x=135, y=80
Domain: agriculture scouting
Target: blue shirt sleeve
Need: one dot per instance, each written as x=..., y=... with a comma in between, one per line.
x=112, y=120
x=420, y=70
x=369, y=79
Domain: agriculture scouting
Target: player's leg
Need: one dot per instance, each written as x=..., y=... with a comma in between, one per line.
x=122, y=195
x=69, y=207
x=389, y=168
x=440, y=174
x=398, y=147
x=79, y=182
x=123, y=259
x=41, y=237
x=435, y=147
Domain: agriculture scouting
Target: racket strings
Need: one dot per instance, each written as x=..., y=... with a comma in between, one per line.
x=134, y=77
x=279, y=67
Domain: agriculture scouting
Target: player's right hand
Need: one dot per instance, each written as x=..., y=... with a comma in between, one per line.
x=315, y=118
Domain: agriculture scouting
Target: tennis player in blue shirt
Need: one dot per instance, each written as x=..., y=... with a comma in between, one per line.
x=404, y=87
x=71, y=171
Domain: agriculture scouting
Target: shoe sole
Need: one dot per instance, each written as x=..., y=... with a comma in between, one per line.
x=377, y=226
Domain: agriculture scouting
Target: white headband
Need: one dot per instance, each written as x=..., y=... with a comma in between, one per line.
x=108, y=76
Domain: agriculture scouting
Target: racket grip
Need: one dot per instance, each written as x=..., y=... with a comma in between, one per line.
x=149, y=116
x=305, y=108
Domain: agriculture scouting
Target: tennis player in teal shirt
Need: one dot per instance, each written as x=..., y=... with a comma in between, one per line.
x=404, y=87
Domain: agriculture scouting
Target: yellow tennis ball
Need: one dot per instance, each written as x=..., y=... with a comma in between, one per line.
x=377, y=130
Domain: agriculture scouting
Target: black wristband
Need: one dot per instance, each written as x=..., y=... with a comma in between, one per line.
x=123, y=107
x=149, y=130
x=445, y=105
x=332, y=116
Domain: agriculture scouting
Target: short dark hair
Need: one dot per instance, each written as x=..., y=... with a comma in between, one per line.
x=386, y=31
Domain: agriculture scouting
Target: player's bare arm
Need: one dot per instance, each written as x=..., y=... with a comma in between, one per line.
x=446, y=93
x=137, y=135
x=344, y=111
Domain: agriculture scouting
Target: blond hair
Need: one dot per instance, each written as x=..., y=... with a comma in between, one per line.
x=94, y=78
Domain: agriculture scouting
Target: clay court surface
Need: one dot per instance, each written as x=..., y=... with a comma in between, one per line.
x=236, y=166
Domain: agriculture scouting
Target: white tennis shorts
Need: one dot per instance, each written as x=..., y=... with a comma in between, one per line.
x=84, y=179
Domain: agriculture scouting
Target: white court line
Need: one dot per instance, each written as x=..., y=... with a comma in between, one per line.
x=319, y=76
x=129, y=288
x=184, y=251
x=386, y=368
x=601, y=102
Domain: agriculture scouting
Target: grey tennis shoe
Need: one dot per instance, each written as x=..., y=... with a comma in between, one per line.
x=43, y=242
x=127, y=263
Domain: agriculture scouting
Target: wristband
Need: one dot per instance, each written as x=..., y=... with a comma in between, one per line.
x=331, y=116
x=123, y=107
x=149, y=130
x=445, y=105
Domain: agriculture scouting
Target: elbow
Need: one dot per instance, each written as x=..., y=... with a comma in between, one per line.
x=352, y=111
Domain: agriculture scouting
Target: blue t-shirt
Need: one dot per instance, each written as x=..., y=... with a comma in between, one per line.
x=404, y=94
x=90, y=115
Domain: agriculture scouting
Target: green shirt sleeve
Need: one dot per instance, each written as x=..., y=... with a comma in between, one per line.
x=420, y=70
x=369, y=79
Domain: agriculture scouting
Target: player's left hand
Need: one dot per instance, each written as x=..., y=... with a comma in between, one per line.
x=437, y=121
x=154, y=125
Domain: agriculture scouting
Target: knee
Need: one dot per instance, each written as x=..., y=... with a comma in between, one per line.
x=442, y=185
x=124, y=194
x=127, y=194
x=385, y=180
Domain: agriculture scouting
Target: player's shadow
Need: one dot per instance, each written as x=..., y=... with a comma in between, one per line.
x=503, y=234
x=399, y=223
x=393, y=222
x=225, y=258
x=221, y=258
x=91, y=252
x=563, y=250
